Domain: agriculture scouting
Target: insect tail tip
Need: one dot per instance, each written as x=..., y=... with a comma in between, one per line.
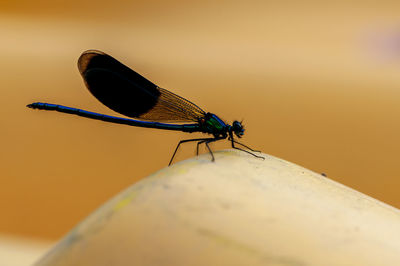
x=31, y=105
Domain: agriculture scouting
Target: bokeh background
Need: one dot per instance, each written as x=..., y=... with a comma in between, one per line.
x=317, y=83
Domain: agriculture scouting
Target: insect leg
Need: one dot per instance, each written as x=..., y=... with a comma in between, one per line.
x=237, y=142
x=201, y=142
x=233, y=146
x=208, y=147
x=183, y=141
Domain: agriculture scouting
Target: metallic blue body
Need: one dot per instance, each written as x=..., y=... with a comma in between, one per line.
x=119, y=120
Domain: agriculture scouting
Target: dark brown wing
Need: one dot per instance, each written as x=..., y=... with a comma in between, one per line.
x=126, y=92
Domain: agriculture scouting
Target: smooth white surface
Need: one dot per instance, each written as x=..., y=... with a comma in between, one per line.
x=237, y=211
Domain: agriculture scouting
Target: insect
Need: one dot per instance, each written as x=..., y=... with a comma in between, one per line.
x=128, y=93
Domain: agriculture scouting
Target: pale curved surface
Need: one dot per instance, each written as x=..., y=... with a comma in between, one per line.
x=237, y=211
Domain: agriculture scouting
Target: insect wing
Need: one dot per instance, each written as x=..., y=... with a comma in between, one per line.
x=128, y=93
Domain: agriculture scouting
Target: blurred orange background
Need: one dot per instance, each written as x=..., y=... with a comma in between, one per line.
x=316, y=83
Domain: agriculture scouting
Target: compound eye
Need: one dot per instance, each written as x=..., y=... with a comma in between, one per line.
x=236, y=124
